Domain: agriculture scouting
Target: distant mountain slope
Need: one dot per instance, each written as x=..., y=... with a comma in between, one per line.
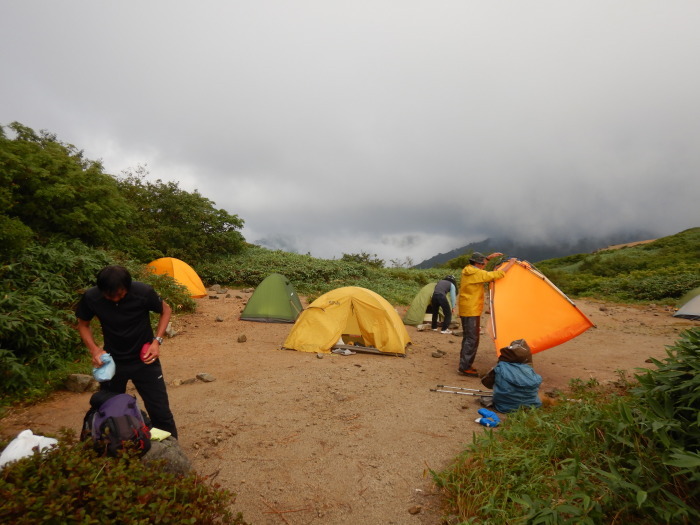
x=535, y=252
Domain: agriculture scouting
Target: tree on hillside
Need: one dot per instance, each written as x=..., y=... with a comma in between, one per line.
x=175, y=223
x=49, y=189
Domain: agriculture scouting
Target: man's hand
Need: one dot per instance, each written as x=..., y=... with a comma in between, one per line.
x=97, y=357
x=153, y=353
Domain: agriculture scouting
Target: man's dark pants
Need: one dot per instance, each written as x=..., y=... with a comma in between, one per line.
x=470, y=341
x=149, y=383
x=438, y=301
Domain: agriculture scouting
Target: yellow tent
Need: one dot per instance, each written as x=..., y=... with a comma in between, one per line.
x=527, y=305
x=354, y=314
x=182, y=272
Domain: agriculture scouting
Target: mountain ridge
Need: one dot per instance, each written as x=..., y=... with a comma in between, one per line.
x=535, y=252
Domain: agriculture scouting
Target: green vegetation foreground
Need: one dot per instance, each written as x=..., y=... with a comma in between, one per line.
x=630, y=455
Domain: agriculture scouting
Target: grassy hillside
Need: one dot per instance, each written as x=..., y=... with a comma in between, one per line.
x=313, y=277
x=660, y=271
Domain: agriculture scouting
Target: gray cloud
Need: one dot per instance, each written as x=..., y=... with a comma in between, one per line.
x=401, y=128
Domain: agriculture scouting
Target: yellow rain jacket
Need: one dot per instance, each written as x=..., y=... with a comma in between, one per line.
x=471, y=289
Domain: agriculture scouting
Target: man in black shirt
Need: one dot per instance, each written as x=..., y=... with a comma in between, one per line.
x=123, y=307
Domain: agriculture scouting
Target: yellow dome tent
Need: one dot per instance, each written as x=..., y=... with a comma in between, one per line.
x=354, y=314
x=527, y=305
x=182, y=272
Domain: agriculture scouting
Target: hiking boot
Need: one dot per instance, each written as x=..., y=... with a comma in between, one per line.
x=471, y=372
x=448, y=331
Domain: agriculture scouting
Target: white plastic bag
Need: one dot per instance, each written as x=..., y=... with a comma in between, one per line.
x=106, y=371
x=23, y=445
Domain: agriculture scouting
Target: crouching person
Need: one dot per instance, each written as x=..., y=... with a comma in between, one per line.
x=513, y=380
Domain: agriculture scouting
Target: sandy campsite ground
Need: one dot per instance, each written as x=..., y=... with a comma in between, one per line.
x=343, y=439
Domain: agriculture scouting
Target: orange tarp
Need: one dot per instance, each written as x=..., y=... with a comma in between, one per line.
x=527, y=305
x=182, y=272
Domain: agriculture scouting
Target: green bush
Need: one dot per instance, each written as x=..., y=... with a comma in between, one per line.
x=629, y=455
x=70, y=483
x=36, y=311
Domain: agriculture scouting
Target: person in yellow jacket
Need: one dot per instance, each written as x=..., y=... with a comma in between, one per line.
x=471, y=304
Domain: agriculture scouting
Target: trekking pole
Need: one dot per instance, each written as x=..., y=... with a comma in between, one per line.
x=456, y=392
x=463, y=388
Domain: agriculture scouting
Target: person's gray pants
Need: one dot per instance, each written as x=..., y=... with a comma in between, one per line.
x=470, y=341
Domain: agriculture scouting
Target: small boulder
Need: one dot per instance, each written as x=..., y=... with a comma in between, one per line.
x=175, y=461
x=81, y=383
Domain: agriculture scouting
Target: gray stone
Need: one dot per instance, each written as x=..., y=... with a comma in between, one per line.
x=207, y=378
x=174, y=459
x=81, y=383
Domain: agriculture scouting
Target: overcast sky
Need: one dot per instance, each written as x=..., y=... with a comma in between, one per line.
x=398, y=128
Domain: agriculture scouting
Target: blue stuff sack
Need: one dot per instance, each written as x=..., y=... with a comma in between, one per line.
x=488, y=419
x=106, y=371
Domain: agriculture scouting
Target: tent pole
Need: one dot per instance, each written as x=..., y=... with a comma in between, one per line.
x=456, y=392
x=463, y=388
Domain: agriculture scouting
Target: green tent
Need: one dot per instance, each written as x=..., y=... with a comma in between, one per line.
x=420, y=307
x=273, y=301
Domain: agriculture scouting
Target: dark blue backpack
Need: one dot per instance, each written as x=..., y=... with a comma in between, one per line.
x=114, y=421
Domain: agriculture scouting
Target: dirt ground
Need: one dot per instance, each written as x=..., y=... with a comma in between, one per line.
x=343, y=439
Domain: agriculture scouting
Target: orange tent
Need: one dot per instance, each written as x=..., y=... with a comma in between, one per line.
x=527, y=305
x=182, y=272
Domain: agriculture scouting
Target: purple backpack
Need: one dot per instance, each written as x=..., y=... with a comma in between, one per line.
x=116, y=421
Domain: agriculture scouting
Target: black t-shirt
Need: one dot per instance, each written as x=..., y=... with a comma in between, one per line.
x=126, y=325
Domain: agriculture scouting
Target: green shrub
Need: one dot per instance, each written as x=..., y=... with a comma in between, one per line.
x=36, y=311
x=70, y=483
x=629, y=455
